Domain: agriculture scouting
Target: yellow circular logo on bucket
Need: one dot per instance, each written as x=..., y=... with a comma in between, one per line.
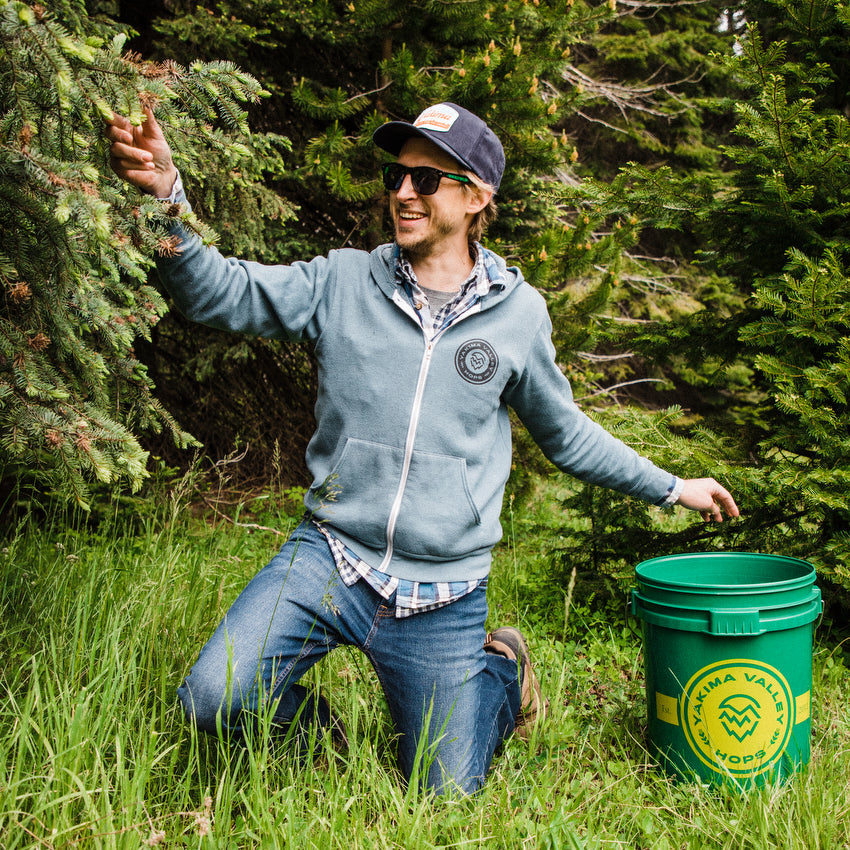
x=737, y=715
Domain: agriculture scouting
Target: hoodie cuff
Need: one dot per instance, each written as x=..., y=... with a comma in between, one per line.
x=673, y=493
x=177, y=193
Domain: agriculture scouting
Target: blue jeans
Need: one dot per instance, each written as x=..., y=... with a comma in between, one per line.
x=436, y=677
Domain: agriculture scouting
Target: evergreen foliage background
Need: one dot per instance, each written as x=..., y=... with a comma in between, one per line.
x=764, y=362
x=676, y=186
x=76, y=248
x=336, y=70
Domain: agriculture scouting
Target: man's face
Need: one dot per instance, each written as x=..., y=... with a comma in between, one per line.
x=426, y=223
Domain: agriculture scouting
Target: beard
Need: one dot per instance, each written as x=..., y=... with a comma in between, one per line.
x=421, y=245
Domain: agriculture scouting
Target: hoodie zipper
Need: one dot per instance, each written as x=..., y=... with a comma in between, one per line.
x=412, y=427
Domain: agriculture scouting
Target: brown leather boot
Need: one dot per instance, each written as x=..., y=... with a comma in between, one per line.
x=509, y=643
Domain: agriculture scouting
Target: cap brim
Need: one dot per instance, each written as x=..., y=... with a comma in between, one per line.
x=392, y=136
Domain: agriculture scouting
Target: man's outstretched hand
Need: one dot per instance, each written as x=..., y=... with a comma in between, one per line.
x=709, y=498
x=141, y=155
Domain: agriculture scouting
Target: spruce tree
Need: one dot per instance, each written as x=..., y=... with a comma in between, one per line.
x=647, y=78
x=773, y=227
x=785, y=235
x=76, y=247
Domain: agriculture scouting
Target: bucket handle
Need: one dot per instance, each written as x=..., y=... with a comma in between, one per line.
x=729, y=622
x=629, y=620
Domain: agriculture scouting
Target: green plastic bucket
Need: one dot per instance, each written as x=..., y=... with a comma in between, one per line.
x=728, y=656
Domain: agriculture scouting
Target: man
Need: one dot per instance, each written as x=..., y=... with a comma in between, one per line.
x=422, y=345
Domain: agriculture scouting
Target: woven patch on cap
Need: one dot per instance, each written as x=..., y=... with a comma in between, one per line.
x=439, y=118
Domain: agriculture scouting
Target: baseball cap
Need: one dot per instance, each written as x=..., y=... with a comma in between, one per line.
x=457, y=131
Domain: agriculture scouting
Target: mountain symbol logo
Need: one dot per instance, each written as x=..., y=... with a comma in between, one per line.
x=739, y=715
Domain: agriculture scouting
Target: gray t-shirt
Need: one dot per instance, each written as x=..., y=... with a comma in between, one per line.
x=436, y=299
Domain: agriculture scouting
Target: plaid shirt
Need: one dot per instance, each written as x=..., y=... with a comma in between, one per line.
x=413, y=597
x=474, y=287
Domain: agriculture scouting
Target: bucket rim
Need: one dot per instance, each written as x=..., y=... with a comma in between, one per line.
x=804, y=579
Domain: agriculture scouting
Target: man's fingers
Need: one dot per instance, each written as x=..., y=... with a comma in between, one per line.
x=150, y=126
x=120, y=123
x=709, y=498
x=729, y=505
x=118, y=133
x=129, y=157
x=140, y=154
x=723, y=499
x=132, y=171
x=119, y=129
x=124, y=150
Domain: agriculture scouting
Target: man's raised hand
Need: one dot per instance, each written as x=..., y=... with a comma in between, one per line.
x=141, y=155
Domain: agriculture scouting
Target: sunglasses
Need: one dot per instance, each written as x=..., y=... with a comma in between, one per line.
x=425, y=180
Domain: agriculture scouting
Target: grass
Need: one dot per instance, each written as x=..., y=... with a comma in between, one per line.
x=99, y=627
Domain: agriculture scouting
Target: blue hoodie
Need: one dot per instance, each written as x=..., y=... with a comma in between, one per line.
x=412, y=447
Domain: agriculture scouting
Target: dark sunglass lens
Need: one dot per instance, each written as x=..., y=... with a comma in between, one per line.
x=393, y=176
x=425, y=180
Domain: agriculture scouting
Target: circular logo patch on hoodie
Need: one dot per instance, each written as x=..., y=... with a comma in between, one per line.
x=476, y=361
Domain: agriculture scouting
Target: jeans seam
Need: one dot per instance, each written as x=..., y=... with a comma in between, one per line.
x=494, y=731
x=283, y=675
x=381, y=614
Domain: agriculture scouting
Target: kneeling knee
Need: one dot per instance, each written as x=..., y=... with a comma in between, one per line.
x=206, y=708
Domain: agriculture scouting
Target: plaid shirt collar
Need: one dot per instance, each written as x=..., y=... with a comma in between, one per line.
x=479, y=282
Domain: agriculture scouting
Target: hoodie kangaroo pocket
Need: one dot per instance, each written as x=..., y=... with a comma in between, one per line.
x=437, y=518
x=357, y=496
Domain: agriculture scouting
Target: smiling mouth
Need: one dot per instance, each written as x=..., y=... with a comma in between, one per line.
x=411, y=216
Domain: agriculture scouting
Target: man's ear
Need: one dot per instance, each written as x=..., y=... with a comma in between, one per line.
x=478, y=199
